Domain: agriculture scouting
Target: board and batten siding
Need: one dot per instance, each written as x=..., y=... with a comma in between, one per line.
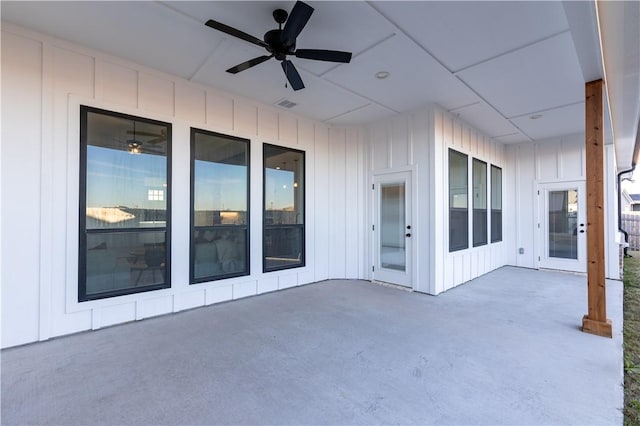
x=401, y=144
x=454, y=268
x=44, y=81
x=560, y=159
x=419, y=142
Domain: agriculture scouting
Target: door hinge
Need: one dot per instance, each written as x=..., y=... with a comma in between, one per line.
x=538, y=258
x=373, y=227
x=373, y=186
x=373, y=269
x=538, y=192
x=538, y=226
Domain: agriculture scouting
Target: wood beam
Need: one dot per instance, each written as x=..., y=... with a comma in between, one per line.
x=595, y=321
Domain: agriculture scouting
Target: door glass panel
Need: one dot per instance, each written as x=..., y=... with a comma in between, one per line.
x=563, y=224
x=392, y=218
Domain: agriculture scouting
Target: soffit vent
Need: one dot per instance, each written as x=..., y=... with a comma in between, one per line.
x=285, y=103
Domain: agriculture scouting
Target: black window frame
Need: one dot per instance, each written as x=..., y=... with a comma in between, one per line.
x=477, y=217
x=302, y=226
x=192, y=226
x=496, y=212
x=82, y=206
x=465, y=246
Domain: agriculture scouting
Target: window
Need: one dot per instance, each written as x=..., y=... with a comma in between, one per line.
x=458, y=202
x=496, y=204
x=562, y=222
x=125, y=180
x=156, y=195
x=219, y=206
x=479, y=171
x=283, y=237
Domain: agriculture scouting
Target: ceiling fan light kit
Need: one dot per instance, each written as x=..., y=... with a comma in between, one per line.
x=281, y=42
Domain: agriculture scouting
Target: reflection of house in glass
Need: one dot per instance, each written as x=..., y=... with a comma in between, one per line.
x=284, y=216
x=217, y=217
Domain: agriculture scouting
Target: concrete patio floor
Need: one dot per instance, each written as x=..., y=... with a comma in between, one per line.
x=503, y=349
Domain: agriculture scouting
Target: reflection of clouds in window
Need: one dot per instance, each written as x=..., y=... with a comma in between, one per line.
x=109, y=214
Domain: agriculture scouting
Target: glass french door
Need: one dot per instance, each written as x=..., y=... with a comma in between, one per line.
x=392, y=228
x=562, y=222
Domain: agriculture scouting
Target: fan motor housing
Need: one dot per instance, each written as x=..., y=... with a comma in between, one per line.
x=273, y=39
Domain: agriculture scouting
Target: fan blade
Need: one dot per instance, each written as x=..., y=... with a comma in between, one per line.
x=292, y=75
x=324, y=55
x=250, y=63
x=143, y=133
x=236, y=33
x=156, y=140
x=298, y=18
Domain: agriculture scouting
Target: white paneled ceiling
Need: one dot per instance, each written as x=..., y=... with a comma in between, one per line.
x=486, y=119
x=407, y=87
x=464, y=33
x=537, y=77
x=494, y=64
x=565, y=120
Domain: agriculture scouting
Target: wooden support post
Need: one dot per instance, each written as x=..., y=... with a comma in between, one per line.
x=595, y=321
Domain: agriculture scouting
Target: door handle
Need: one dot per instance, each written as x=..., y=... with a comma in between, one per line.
x=407, y=235
x=582, y=231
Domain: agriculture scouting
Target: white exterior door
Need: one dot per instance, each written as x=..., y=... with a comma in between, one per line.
x=392, y=228
x=562, y=226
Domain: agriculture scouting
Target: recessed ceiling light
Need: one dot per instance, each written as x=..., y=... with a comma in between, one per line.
x=535, y=116
x=381, y=75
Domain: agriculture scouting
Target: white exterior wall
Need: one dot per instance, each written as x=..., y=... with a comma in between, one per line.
x=419, y=142
x=455, y=268
x=556, y=160
x=401, y=144
x=44, y=81
x=346, y=188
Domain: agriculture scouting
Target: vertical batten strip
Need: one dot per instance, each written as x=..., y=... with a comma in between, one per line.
x=46, y=199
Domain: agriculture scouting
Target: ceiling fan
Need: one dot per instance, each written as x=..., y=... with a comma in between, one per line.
x=135, y=145
x=281, y=43
x=157, y=137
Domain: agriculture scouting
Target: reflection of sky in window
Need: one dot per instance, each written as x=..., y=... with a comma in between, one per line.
x=278, y=189
x=118, y=178
x=220, y=186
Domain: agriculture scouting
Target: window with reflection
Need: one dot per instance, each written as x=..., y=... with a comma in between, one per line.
x=563, y=224
x=496, y=204
x=458, y=201
x=124, y=204
x=219, y=206
x=479, y=179
x=283, y=237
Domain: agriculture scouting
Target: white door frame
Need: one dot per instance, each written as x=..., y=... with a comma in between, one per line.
x=544, y=260
x=379, y=272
